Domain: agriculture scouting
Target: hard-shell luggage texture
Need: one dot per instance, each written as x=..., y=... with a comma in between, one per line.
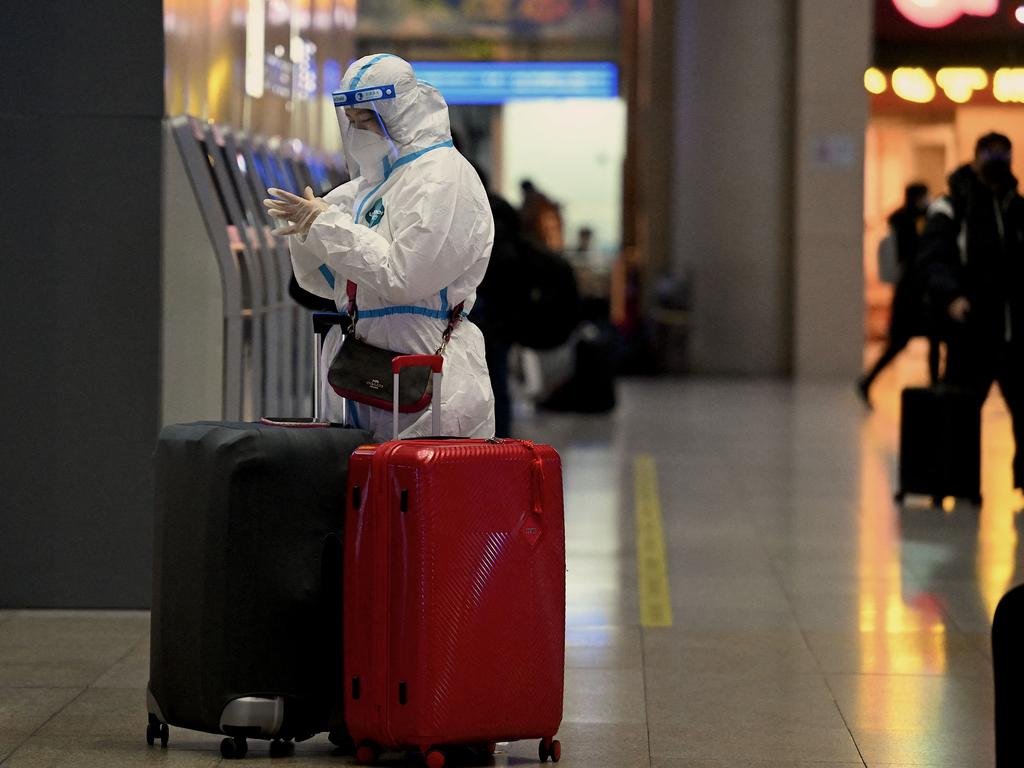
x=246, y=619
x=455, y=596
x=940, y=444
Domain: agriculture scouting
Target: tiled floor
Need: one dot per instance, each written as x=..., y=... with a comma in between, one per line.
x=815, y=624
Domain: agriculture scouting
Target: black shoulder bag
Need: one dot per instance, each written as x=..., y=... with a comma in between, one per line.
x=361, y=372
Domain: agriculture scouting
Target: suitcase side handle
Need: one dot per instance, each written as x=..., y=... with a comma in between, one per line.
x=435, y=363
x=536, y=478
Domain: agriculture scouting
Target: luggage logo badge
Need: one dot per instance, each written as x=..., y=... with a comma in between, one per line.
x=530, y=528
x=375, y=384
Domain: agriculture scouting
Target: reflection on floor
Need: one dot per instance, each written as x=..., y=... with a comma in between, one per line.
x=813, y=622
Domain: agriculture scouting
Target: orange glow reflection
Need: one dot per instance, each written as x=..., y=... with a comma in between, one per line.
x=897, y=635
x=902, y=615
x=997, y=534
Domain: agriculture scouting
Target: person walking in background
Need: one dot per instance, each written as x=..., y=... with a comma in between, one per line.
x=973, y=256
x=909, y=312
x=541, y=218
x=581, y=254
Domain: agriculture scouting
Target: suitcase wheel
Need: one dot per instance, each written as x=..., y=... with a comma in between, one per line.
x=367, y=753
x=157, y=730
x=435, y=759
x=342, y=741
x=549, y=749
x=490, y=749
x=234, y=748
x=280, y=748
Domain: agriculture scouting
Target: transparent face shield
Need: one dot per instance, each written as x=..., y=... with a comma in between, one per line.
x=369, y=149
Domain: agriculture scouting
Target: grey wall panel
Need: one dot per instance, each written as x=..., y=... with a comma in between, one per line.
x=101, y=57
x=81, y=318
x=79, y=301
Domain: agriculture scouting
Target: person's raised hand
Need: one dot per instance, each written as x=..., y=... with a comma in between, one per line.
x=299, y=212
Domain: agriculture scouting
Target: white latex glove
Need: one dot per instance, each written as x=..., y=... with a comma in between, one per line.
x=300, y=211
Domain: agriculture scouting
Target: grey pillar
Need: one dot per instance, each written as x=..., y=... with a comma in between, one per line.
x=79, y=300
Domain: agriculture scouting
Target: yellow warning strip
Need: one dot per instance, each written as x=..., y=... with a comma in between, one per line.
x=652, y=564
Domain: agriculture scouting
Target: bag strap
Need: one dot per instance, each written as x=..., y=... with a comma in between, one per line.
x=350, y=291
x=454, y=316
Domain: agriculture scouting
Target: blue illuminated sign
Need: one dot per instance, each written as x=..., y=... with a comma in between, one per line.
x=463, y=82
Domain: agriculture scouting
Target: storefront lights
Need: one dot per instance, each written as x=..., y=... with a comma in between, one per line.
x=874, y=81
x=913, y=84
x=960, y=83
x=1008, y=85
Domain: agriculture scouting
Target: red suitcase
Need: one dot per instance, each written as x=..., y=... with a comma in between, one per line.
x=454, y=594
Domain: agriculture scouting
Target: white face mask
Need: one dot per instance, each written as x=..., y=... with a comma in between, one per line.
x=369, y=150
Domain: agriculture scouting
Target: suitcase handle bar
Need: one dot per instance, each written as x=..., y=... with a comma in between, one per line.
x=435, y=363
x=322, y=323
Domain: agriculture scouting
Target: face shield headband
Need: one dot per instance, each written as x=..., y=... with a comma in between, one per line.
x=369, y=147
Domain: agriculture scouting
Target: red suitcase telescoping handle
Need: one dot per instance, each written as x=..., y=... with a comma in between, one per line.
x=435, y=363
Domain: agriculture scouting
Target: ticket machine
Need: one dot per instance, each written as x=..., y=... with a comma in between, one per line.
x=236, y=346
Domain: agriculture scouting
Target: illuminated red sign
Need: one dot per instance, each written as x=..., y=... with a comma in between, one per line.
x=940, y=13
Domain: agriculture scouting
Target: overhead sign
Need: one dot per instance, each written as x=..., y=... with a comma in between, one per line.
x=490, y=19
x=498, y=82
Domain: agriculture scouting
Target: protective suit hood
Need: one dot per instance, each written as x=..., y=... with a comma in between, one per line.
x=417, y=117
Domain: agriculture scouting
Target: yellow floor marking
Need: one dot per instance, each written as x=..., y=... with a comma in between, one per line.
x=652, y=564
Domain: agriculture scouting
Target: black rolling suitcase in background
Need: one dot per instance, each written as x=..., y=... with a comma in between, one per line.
x=246, y=619
x=940, y=444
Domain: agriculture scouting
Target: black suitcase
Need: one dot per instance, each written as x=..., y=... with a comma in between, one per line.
x=591, y=389
x=246, y=615
x=940, y=444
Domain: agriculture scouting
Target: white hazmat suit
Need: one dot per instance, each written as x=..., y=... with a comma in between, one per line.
x=413, y=230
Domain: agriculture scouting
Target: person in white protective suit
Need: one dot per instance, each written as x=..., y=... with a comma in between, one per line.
x=412, y=229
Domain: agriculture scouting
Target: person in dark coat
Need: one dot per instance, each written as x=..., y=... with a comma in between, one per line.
x=973, y=255
x=496, y=311
x=908, y=318
x=1008, y=674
